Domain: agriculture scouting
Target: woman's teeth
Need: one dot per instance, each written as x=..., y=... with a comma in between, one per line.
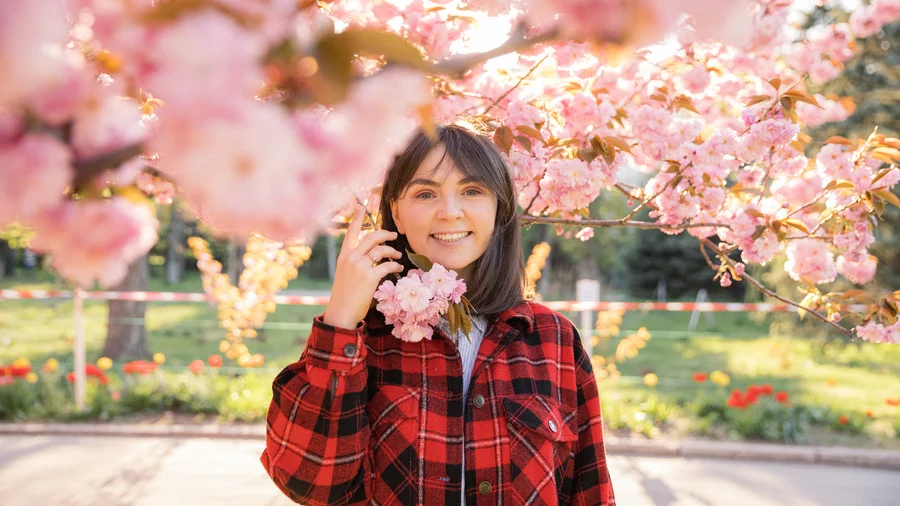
x=451, y=237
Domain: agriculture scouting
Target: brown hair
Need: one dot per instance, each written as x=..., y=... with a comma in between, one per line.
x=498, y=280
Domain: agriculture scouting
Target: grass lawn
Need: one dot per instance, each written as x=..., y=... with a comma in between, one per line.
x=851, y=377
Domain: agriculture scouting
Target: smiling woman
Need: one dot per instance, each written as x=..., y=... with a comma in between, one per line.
x=505, y=412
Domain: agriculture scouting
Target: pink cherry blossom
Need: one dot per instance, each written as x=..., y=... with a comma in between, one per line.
x=204, y=62
x=858, y=272
x=241, y=175
x=416, y=302
x=865, y=21
x=412, y=295
x=809, y=261
x=35, y=171
x=32, y=35
x=106, y=125
x=878, y=333
x=68, y=234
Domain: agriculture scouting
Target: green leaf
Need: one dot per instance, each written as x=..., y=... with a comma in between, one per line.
x=420, y=261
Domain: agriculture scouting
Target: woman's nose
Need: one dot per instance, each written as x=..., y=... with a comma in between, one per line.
x=451, y=208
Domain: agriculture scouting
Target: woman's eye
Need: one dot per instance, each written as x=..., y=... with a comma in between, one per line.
x=472, y=192
x=424, y=196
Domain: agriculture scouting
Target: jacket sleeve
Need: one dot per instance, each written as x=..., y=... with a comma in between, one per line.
x=317, y=432
x=592, y=485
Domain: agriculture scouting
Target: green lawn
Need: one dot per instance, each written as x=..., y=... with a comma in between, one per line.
x=851, y=377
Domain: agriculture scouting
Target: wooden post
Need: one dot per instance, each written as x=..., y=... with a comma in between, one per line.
x=80, y=380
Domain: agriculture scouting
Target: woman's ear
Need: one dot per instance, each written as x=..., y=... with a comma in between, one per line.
x=397, y=221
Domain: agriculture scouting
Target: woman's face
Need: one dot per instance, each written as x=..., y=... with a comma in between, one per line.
x=448, y=219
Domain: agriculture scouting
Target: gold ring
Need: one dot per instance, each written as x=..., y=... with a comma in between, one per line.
x=374, y=262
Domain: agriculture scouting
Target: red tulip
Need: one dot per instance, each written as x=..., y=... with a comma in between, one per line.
x=91, y=371
x=19, y=371
x=700, y=377
x=766, y=389
x=140, y=367
x=215, y=361
x=196, y=366
x=782, y=397
x=843, y=420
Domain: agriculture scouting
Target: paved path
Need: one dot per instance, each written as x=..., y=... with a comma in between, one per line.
x=66, y=470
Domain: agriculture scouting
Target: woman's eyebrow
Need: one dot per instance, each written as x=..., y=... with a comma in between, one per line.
x=429, y=182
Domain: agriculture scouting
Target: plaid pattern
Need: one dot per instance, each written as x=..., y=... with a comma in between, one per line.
x=385, y=425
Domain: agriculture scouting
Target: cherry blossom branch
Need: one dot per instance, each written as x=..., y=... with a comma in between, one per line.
x=533, y=199
x=159, y=174
x=762, y=288
x=521, y=79
x=86, y=169
x=706, y=256
x=458, y=65
x=530, y=220
x=647, y=201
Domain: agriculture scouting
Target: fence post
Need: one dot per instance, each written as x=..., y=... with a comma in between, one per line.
x=587, y=290
x=80, y=380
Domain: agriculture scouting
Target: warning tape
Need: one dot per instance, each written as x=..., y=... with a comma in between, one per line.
x=307, y=300
x=304, y=300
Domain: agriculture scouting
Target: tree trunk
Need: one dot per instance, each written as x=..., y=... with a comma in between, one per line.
x=175, y=251
x=4, y=254
x=235, y=261
x=126, y=336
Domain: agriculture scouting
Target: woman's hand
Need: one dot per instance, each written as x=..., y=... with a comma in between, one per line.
x=358, y=273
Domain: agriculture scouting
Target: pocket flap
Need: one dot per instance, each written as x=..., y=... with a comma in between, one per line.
x=542, y=415
x=392, y=402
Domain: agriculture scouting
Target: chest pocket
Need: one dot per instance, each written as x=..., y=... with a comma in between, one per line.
x=393, y=412
x=542, y=436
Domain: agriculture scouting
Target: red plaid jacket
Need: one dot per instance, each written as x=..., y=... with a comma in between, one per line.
x=365, y=418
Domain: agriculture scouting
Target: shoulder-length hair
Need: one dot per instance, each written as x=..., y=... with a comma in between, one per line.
x=498, y=280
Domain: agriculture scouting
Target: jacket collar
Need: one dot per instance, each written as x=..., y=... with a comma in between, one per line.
x=521, y=313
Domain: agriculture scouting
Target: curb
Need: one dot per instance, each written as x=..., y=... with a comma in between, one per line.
x=692, y=448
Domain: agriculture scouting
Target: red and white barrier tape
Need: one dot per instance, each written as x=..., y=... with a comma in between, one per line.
x=306, y=300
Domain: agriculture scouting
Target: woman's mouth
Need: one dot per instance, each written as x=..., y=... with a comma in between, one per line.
x=451, y=237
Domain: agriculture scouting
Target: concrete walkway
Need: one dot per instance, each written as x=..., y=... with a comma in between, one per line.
x=73, y=470
x=885, y=459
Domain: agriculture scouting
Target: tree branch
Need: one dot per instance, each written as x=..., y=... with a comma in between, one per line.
x=458, y=65
x=530, y=71
x=87, y=169
x=527, y=220
x=759, y=286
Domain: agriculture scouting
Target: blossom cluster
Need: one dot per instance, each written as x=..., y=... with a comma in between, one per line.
x=415, y=303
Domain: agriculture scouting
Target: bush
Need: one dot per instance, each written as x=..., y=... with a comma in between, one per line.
x=766, y=419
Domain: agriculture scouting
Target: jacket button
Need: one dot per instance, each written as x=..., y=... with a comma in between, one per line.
x=478, y=401
x=484, y=487
x=552, y=425
x=350, y=350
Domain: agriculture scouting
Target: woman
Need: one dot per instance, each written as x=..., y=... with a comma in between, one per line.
x=365, y=418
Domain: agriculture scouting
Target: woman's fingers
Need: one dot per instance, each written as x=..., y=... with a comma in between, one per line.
x=383, y=269
x=351, y=239
x=373, y=239
x=381, y=252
